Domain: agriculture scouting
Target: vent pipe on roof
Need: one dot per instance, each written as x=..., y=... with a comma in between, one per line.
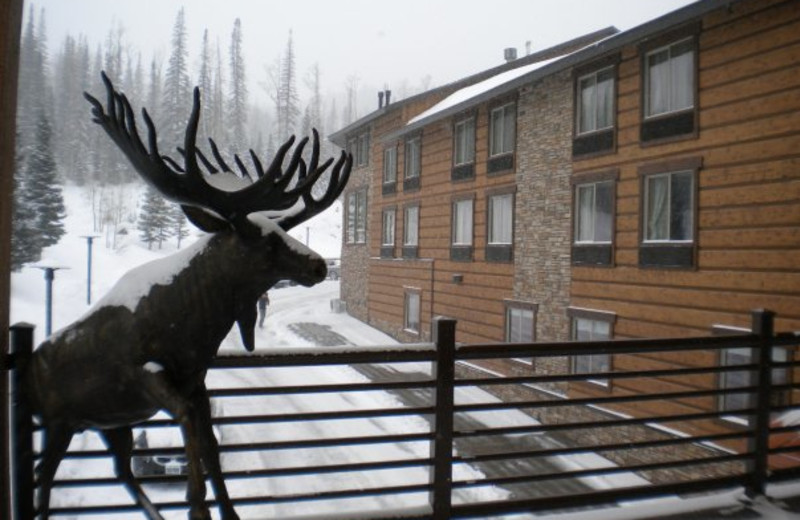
x=510, y=54
x=388, y=96
x=528, y=48
x=380, y=99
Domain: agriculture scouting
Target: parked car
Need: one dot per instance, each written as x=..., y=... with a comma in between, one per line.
x=334, y=268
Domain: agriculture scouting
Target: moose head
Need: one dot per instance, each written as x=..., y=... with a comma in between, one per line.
x=146, y=345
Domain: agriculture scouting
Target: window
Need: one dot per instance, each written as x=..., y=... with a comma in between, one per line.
x=461, y=235
x=669, y=85
x=669, y=213
x=410, y=231
x=591, y=325
x=412, y=163
x=595, y=101
x=464, y=149
x=362, y=155
x=462, y=222
x=502, y=129
x=357, y=217
x=501, y=215
x=520, y=322
x=411, y=311
x=500, y=226
x=730, y=380
x=669, y=207
x=387, y=233
x=389, y=170
x=669, y=79
x=593, y=212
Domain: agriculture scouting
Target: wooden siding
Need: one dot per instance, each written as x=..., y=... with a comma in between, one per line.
x=749, y=185
x=748, y=218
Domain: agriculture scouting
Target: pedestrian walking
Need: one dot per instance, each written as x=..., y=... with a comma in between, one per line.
x=263, y=302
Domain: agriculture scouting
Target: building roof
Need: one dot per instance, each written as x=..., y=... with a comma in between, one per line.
x=340, y=136
x=496, y=82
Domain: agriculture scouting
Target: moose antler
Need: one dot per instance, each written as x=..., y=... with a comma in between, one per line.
x=285, y=195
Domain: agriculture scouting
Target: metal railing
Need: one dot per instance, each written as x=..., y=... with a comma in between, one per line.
x=438, y=431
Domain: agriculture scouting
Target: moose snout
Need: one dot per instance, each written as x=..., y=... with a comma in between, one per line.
x=319, y=271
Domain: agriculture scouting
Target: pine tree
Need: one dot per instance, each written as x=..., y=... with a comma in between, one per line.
x=24, y=246
x=177, y=89
x=43, y=188
x=180, y=226
x=205, y=83
x=154, y=219
x=282, y=89
x=237, y=112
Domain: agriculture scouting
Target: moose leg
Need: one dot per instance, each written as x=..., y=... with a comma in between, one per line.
x=201, y=415
x=180, y=408
x=56, y=441
x=120, y=442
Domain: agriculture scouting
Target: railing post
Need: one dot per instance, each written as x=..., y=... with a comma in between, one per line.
x=21, y=424
x=442, y=448
x=763, y=324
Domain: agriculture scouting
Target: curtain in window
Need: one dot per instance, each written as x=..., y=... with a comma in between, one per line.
x=497, y=132
x=603, y=211
x=389, y=165
x=500, y=230
x=520, y=326
x=351, y=218
x=361, y=218
x=605, y=99
x=585, y=231
x=411, y=227
x=508, y=129
x=657, y=218
x=465, y=142
x=462, y=223
x=658, y=82
x=412, y=311
x=681, y=75
x=587, y=113
x=388, y=228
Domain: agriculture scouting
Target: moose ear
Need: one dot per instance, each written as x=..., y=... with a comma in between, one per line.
x=204, y=220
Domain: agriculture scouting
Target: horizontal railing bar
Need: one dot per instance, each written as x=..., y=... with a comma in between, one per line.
x=591, y=498
x=595, y=472
x=314, y=389
x=332, y=495
x=603, y=375
x=260, y=473
x=332, y=356
x=602, y=400
x=609, y=423
x=617, y=346
x=623, y=446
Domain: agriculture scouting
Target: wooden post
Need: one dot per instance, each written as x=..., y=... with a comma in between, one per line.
x=22, y=425
x=10, y=28
x=442, y=448
x=763, y=324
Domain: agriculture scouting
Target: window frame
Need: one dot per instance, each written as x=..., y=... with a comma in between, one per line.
x=461, y=248
x=464, y=146
x=356, y=229
x=669, y=253
x=411, y=249
x=412, y=162
x=595, y=253
x=412, y=294
x=579, y=103
x=599, y=141
x=388, y=234
x=502, y=161
x=362, y=157
x=389, y=177
x=596, y=316
x=675, y=124
x=496, y=251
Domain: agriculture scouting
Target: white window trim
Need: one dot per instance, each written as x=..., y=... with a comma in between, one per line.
x=668, y=112
x=391, y=172
x=455, y=222
x=490, y=239
x=388, y=238
x=412, y=292
x=594, y=215
x=502, y=109
x=468, y=122
x=579, y=103
x=413, y=158
x=646, y=215
x=406, y=213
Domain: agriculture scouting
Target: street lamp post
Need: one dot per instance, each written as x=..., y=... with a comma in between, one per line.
x=89, y=240
x=49, y=276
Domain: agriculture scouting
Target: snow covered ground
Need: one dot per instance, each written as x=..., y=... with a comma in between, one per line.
x=289, y=306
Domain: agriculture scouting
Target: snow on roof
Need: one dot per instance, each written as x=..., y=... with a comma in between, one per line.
x=467, y=93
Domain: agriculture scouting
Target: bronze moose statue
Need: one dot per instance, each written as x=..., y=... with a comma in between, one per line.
x=146, y=346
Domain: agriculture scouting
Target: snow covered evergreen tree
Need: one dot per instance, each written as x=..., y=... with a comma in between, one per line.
x=42, y=187
x=24, y=246
x=177, y=100
x=154, y=219
x=237, y=112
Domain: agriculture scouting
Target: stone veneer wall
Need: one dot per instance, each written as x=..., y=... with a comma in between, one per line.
x=355, y=257
x=542, y=227
x=543, y=203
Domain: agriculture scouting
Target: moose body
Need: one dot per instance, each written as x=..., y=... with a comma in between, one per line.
x=147, y=345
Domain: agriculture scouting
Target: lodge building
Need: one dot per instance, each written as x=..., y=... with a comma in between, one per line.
x=630, y=184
